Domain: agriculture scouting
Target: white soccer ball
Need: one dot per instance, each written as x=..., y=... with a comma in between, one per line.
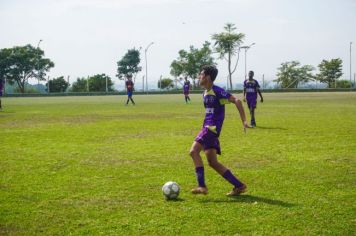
x=171, y=190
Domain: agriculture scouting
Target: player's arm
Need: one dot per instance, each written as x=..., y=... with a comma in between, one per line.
x=244, y=93
x=259, y=93
x=241, y=110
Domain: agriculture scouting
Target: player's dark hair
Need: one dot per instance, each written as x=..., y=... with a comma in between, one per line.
x=210, y=70
x=251, y=71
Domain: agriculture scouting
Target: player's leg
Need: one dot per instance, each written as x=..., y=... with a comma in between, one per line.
x=239, y=187
x=128, y=99
x=211, y=155
x=199, y=168
x=253, y=107
x=0, y=103
x=253, y=121
x=132, y=100
x=186, y=99
x=250, y=105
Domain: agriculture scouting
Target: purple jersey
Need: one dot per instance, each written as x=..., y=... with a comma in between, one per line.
x=251, y=87
x=129, y=85
x=186, y=87
x=214, y=103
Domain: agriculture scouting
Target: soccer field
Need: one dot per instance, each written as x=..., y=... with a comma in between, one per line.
x=90, y=165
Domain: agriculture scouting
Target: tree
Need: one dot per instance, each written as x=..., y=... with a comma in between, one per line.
x=81, y=85
x=165, y=83
x=330, y=71
x=228, y=43
x=57, y=85
x=97, y=83
x=128, y=65
x=190, y=63
x=292, y=73
x=20, y=63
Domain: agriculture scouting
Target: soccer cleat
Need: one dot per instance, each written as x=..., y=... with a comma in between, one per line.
x=253, y=123
x=237, y=191
x=200, y=190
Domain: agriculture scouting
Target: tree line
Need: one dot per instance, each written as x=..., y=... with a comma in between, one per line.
x=21, y=63
x=291, y=74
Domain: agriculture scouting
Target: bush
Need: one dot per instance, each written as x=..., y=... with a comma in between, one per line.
x=343, y=84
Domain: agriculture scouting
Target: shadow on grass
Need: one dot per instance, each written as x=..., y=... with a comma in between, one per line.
x=276, y=128
x=249, y=199
x=175, y=200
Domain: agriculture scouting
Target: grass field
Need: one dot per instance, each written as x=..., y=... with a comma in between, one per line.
x=92, y=166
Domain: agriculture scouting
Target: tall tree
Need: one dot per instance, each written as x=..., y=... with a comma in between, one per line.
x=20, y=63
x=291, y=74
x=330, y=71
x=57, y=85
x=189, y=63
x=129, y=64
x=227, y=44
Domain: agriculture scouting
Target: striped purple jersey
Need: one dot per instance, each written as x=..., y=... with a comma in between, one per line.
x=251, y=87
x=214, y=103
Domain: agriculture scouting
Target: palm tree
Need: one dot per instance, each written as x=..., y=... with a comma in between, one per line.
x=228, y=43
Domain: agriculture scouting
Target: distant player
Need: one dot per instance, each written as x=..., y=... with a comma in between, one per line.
x=251, y=88
x=2, y=87
x=186, y=88
x=214, y=99
x=129, y=88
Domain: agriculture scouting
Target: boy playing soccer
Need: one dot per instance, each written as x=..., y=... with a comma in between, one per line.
x=251, y=88
x=186, y=88
x=129, y=88
x=214, y=99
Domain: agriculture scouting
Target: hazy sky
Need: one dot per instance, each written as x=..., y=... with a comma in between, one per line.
x=86, y=37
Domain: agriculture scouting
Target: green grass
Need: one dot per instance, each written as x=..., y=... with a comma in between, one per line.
x=91, y=166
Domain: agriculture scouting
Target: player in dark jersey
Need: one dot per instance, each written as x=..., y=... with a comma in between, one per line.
x=214, y=99
x=186, y=88
x=251, y=88
x=2, y=87
x=129, y=88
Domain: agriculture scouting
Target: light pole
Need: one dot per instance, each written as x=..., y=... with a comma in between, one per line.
x=38, y=66
x=149, y=45
x=246, y=49
x=350, y=65
x=106, y=84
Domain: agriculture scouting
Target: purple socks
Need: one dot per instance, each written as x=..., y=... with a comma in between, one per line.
x=199, y=171
x=232, y=179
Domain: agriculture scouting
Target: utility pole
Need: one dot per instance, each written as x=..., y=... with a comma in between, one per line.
x=48, y=85
x=350, y=64
x=106, y=84
x=143, y=83
x=246, y=49
x=38, y=66
x=68, y=83
x=160, y=83
x=146, y=64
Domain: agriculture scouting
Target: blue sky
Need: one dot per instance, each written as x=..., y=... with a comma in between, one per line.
x=86, y=37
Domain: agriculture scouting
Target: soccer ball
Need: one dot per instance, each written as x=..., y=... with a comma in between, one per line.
x=170, y=190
